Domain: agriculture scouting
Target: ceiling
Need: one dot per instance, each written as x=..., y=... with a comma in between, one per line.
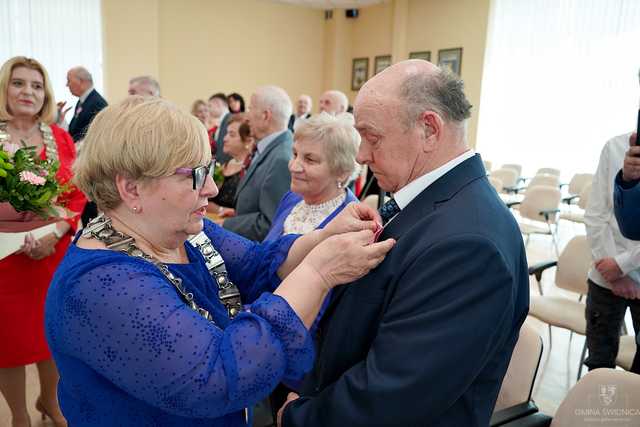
x=333, y=4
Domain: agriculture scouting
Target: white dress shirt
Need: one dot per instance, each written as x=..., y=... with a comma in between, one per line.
x=603, y=233
x=217, y=134
x=406, y=194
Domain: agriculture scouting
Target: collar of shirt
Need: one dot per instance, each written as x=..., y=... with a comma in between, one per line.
x=406, y=194
x=264, y=142
x=85, y=95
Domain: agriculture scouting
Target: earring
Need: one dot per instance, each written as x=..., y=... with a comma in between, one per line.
x=340, y=185
x=135, y=209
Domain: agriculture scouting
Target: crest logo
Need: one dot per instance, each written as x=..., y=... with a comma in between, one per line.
x=607, y=394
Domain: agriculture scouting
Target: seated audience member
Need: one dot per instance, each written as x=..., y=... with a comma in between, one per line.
x=626, y=199
x=239, y=144
x=425, y=338
x=200, y=110
x=147, y=325
x=268, y=178
x=236, y=103
x=614, y=279
x=333, y=102
x=324, y=159
x=303, y=111
x=218, y=121
x=26, y=273
x=144, y=86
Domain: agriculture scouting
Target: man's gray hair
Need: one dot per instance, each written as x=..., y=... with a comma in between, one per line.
x=341, y=98
x=82, y=74
x=442, y=92
x=149, y=81
x=276, y=100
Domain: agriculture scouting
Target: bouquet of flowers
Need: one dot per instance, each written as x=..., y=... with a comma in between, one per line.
x=29, y=183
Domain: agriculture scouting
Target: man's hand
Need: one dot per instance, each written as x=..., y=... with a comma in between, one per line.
x=609, y=269
x=291, y=397
x=625, y=288
x=631, y=165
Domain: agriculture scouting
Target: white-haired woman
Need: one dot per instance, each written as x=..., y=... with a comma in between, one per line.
x=147, y=327
x=323, y=162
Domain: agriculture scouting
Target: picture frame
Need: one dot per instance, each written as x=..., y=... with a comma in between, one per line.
x=380, y=63
x=451, y=59
x=425, y=54
x=359, y=73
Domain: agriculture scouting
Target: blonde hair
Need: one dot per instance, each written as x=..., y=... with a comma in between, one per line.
x=48, y=112
x=140, y=138
x=339, y=138
x=197, y=103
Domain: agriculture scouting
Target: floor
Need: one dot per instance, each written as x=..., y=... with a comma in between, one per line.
x=559, y=365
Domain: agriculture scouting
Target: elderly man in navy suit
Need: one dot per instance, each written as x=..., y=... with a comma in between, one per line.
x=424, y=339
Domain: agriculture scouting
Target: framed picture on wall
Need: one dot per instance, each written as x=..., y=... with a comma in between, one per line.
x=359, y=72
x=380, y=63
x=426, y=55
x=451, y=59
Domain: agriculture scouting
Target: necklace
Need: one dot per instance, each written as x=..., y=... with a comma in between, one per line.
x=51, y=150
x=101, y=229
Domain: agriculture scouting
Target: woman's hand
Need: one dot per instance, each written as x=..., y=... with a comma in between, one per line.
x=38, y=249
x=346, y=257
x=354, y=217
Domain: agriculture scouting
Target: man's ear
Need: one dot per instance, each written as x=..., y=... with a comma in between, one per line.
x=431, y=125
x=129, y=190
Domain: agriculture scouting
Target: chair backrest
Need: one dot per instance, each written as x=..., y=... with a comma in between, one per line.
x=603, y=397
x=549, y=171
x=540, y=198
x=544, y=179
x=487, y=165
x=523, y=368
x=509, y=177
x=514, y=166
x=496, y=183
x=584, y=196
x=573, y=265
x=578, y=182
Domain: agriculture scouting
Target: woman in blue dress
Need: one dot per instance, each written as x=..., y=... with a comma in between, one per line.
x=323, y=163
x=146, y=324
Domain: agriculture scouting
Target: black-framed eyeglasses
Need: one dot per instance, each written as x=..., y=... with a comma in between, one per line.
x=199, y=174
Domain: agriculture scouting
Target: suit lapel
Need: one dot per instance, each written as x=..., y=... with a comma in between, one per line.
x=420, y=207
x=259, y=160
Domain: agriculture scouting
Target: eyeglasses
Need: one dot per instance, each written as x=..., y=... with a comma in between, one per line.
x=199, y=174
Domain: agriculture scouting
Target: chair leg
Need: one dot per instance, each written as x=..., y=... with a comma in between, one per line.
x=550, y=342
x=540, y=286
x=582, y=357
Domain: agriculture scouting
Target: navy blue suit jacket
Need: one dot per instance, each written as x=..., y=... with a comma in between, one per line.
x=626, y=206
x=425, y=339
x=90, y=107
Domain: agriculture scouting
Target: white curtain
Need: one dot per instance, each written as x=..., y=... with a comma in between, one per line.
x=60, y=34
x=560, y=78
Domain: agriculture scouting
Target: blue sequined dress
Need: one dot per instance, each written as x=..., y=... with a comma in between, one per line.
x=131, y=353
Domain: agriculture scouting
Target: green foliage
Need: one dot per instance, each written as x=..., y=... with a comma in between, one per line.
x=23, y=195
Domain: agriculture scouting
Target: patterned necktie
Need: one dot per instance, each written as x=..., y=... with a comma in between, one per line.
x=389, y=210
